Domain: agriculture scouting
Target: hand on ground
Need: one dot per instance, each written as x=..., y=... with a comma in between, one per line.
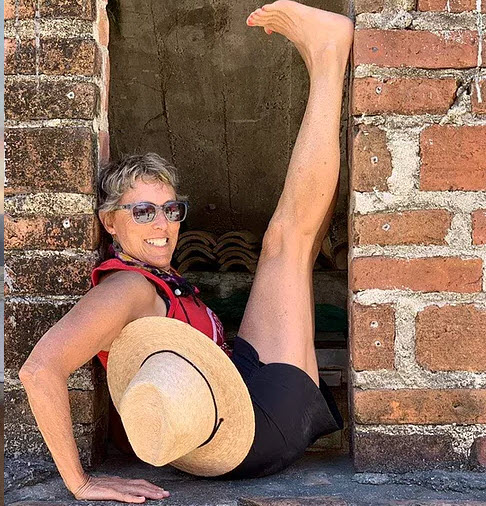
x=115, y=488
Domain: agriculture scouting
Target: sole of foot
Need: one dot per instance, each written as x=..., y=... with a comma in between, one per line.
x=311, y=30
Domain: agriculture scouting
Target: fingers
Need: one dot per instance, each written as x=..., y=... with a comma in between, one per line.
x=149, y=489
x=121, y=489
x=142, y=488
x=127, y=498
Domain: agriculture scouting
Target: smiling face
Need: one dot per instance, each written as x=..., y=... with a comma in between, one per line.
x=144, y=241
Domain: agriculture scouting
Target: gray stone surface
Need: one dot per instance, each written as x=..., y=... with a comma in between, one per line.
x=19, y=473
x=315, y=479
x=220, y=100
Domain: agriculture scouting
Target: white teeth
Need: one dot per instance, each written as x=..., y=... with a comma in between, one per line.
x=157, y=242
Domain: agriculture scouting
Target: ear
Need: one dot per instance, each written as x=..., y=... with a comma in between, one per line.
x=107, y=217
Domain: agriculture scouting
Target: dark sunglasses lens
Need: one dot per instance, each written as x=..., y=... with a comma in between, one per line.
x=175, y=211
x=143, y=213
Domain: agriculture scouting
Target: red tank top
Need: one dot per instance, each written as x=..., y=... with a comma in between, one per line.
x=187, y=309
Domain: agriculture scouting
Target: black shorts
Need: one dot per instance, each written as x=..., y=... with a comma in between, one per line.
x=291, y=412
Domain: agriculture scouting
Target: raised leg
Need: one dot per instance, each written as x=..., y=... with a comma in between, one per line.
x=279, y=317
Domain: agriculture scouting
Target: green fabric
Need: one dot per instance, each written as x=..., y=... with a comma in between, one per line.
x=329, y=318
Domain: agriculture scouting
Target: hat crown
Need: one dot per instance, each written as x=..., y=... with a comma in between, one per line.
x=233, y=434
x=169, y=401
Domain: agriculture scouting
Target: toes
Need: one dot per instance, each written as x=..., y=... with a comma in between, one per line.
x=255, y=18
x=250, y=20
x=257, y=15
x=268, y=31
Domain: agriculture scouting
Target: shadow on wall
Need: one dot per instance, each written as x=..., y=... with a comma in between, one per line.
x=223, y=102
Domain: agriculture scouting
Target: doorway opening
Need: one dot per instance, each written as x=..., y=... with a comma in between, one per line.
x=223, y=103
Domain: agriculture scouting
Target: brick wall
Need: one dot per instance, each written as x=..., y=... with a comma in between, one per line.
x=417, y=307
x=56, y=66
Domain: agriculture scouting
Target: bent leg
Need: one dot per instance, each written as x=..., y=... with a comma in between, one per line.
x=279, y=317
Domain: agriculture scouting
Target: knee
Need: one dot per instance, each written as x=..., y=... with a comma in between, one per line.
x=284, y=236
x=273, y=239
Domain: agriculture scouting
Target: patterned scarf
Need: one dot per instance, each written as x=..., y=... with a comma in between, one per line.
x=179, y=285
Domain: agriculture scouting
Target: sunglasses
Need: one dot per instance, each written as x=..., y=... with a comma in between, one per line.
x=146, y=212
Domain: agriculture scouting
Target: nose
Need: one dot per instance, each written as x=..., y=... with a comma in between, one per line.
x=160, y=220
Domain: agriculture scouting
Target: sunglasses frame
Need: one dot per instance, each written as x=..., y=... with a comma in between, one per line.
x=162, y=207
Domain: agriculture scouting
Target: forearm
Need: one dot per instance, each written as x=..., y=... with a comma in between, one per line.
x=49, y=401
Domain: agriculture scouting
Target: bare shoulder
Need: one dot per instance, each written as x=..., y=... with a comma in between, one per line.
x=95, y=321
x=130, y=291
x=128, y=279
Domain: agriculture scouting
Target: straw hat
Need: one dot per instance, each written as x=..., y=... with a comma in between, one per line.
x=181, y=399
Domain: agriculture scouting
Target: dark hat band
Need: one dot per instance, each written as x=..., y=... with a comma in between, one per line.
x=217, y=422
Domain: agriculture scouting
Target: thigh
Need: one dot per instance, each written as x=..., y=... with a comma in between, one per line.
x=279, y=319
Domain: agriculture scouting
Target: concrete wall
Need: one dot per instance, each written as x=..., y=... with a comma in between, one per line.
x=222, y=101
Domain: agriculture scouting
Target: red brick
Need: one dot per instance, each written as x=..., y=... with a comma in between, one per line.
x=46, y=100
x=479, y=107
x=420, y=406
x=453, y=158
x=48, y=275
x=427, y=226
x=103, y=26
x=81, y=9
x=19, y=57
x=25, y=323
x=402, y=96
x=59, y=159
x=68, y=57
x=478, y=454
x=410, y=48
x=479, y=226
x=434, y=274
x=24, y=9
x=371, y=160
x=373, y=337
x=56, y=57
x=55, y=232
x=104, y=146
x=454, y=5
x=86, y=406
x=25, y=439
x=380, y=452
x=451, y=338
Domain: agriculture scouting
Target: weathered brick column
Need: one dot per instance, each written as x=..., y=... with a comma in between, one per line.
x=56, y=67
x=417, y=236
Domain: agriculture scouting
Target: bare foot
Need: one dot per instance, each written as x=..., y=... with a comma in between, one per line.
x=311, y=30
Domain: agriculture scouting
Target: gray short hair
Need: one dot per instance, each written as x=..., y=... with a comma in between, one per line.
x=116, y=177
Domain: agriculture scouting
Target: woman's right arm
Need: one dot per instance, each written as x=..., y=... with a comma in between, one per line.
x=90, y=326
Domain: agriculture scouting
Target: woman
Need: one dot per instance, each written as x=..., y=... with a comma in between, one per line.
x=277, y=326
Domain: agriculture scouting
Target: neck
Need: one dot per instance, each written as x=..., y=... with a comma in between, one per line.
x=125, y=257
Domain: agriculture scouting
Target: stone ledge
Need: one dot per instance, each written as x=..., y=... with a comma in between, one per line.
x=317, y=479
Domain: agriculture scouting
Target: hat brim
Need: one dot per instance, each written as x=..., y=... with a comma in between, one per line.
x=234, y=437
